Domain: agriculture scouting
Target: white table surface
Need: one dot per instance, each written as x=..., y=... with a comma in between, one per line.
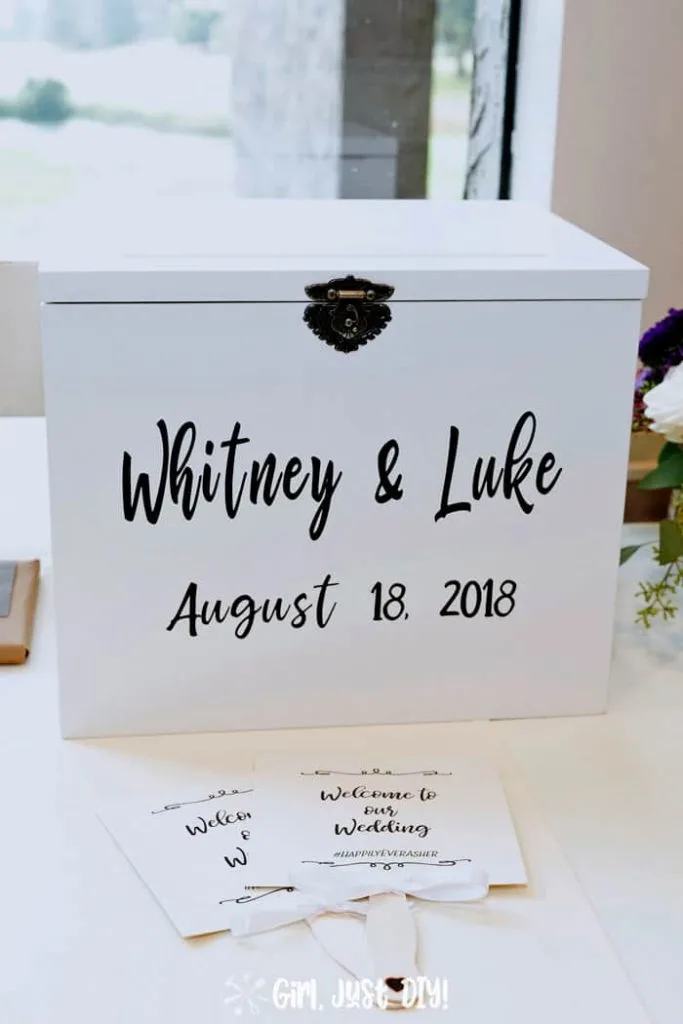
x=598, y=803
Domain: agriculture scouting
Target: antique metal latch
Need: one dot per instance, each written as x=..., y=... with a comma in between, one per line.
x=348, y=312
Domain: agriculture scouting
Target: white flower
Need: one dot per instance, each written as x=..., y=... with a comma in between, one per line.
x=664, y=406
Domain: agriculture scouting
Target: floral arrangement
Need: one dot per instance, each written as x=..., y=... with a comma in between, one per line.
x=658, y=406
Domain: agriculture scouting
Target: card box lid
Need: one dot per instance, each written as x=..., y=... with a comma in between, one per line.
x=269, y=250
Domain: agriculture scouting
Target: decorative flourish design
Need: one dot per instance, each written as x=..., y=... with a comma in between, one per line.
x=374, y=771
x=204, y=800
x=388, y=865
x=250, y=897
x=348, y=312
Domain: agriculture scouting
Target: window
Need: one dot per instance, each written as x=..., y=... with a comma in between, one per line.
x=107, y=104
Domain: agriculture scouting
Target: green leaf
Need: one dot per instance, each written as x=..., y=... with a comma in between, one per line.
x=667, y=474
x=628, y=552
x=667, y=450
x=670, y=541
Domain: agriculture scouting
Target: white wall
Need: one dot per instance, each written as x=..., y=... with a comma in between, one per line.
x=619, y=153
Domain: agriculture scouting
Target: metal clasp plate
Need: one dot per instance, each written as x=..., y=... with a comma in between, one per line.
x=348, y=312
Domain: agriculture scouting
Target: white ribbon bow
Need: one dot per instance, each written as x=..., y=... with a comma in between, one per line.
x=324, y=889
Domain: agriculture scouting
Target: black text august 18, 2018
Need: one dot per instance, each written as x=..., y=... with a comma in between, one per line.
x=186, y=480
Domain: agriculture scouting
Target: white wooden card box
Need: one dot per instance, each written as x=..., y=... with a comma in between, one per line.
x=252, y=529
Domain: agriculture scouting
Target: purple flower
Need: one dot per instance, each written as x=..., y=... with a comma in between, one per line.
x=661, y=347
x=646, y=379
